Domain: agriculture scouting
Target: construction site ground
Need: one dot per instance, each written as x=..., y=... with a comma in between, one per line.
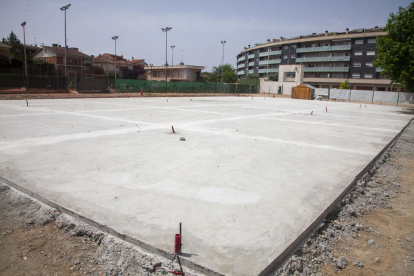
x=232, y=182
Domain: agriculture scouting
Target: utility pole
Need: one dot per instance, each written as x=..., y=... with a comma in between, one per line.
x=64, y=8
x=222, y=61
x=172, y=61
x=25, y=59
x=166, y=30
x=115, y=38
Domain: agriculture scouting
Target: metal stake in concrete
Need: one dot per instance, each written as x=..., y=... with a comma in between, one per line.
x=326, y=109
x=172, y=129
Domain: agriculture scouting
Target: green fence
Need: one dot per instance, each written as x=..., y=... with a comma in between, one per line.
x=125, y=86
x=252, y=82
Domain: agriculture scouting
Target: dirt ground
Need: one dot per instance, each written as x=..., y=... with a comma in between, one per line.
x=388, y=248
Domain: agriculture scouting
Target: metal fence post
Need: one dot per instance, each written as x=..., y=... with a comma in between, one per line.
x=398, y=98
x=329, y=91
x=372, y=96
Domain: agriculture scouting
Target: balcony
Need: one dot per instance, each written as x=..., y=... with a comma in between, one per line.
x=240, y=72
x=241, y=65
x=272, y=61
x=241, y=58
x=251, y=63
x=323, y=59
x=271, y=53
x=251, y=71
x=324, y=49
x=327, y=69
x=273, y=70
x=379, y=69
x=250, y=56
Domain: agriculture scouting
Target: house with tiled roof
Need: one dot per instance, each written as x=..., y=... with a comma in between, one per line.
x=138, y=62
x=107, y=62
x=5, y=49
x=55, y=54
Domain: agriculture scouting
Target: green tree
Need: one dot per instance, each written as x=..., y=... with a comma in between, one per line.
x=344, y=85
x=229, y=76
x=252, y=77
x=396, y=50
x=17, y=49
x=274, y=77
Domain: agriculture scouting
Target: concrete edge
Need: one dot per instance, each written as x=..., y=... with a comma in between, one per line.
x=305, y=234
x=143, y=245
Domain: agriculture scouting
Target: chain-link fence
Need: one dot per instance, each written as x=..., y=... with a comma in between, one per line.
x=17, y=83
x=126, y=85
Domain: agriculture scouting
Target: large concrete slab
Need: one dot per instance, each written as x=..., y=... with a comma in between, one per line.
x=251, y=176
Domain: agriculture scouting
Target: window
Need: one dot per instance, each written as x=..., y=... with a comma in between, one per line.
x=370, y=53
x=357, y=64
x=359, y=41
x=285, y=57
x=358, y=53
x=368, y=76
x=175, y=74
x=372, y=40
x=154, y=74
x=292, y=56
x=168, y=74
x=293, y=47
x=356, y=76
x=161, y=74
x=181, y=73
x=286, y=48
x=369, y=64
x=76, y=62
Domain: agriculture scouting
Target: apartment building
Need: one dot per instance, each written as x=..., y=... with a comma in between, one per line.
x=329, y=59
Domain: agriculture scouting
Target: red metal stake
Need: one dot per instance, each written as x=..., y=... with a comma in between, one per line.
x=326, y=109
x=173, y=129
x=311, y=112
x=177, y=245
x=141, y=92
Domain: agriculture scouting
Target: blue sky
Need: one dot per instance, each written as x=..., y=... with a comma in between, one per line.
x=197, y=26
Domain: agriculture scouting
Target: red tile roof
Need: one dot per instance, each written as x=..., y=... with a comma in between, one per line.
x=60, y=51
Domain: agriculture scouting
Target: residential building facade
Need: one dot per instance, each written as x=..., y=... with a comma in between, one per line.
x=179, y=72
x=329, y=59
x=107, y=62
x=75, y=60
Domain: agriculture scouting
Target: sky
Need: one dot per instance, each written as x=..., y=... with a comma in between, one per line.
x=198, y=27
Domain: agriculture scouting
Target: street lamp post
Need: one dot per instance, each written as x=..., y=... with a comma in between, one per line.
x=64, y=8
x=115, y=38
x=166, y=30
x=25, y=59
x=172, y=61
x=222, y=61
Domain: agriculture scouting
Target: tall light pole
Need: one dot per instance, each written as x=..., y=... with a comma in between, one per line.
x=172, y=61
x=25, y=59
x=115, y=38
x=64, y=8
x=222, y=61
x=166, y=30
